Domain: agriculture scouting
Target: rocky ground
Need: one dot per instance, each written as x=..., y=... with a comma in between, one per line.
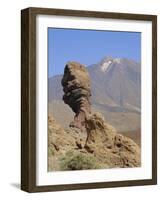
x=100, y=146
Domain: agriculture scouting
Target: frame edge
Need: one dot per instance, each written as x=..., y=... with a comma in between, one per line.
x=154, y=100
x=24, y=99
x=28, y=100
x=87, y=13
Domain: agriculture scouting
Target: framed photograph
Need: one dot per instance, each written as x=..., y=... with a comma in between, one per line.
x=89, y=99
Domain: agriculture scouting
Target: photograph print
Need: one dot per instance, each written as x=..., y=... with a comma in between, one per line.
x=94, y=99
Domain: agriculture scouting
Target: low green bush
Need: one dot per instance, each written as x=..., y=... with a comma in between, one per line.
x=78, y=161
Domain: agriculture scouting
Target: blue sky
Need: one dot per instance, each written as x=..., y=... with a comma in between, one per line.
x=89, y=47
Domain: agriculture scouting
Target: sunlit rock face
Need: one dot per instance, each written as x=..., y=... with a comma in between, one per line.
x=77, y=93
x=108, y=146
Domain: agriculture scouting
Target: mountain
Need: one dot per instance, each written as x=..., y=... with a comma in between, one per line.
x=116, y=93
x=119, y=84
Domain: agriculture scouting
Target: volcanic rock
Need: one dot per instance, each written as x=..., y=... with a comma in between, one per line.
x=108, y=146
x=76, y=87
x=102, y=142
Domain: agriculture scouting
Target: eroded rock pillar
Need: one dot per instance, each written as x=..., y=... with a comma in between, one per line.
x=77, y=93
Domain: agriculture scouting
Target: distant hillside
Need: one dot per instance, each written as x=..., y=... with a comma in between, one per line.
x=116, y=93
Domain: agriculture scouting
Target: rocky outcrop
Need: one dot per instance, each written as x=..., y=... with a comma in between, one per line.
x=76, y=87
x=102, y=142
x=108, y=146
x=61, y=141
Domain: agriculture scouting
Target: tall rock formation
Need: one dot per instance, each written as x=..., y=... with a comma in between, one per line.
x=76, y=87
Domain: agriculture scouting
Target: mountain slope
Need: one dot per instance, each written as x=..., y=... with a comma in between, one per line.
x=119, y=83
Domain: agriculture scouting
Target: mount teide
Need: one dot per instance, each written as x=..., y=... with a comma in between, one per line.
x=116, y=93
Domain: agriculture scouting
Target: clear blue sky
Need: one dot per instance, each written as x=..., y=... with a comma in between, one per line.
x=89, y=47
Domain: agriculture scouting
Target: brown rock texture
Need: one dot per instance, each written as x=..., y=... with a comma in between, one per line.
x=108, y=146
x=102, y=142
x=76, y=87
x=61, y=141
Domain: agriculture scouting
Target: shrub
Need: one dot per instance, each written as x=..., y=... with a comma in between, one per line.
x=78, y=161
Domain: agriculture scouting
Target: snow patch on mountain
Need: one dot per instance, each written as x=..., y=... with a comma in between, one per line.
x=106, y=65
